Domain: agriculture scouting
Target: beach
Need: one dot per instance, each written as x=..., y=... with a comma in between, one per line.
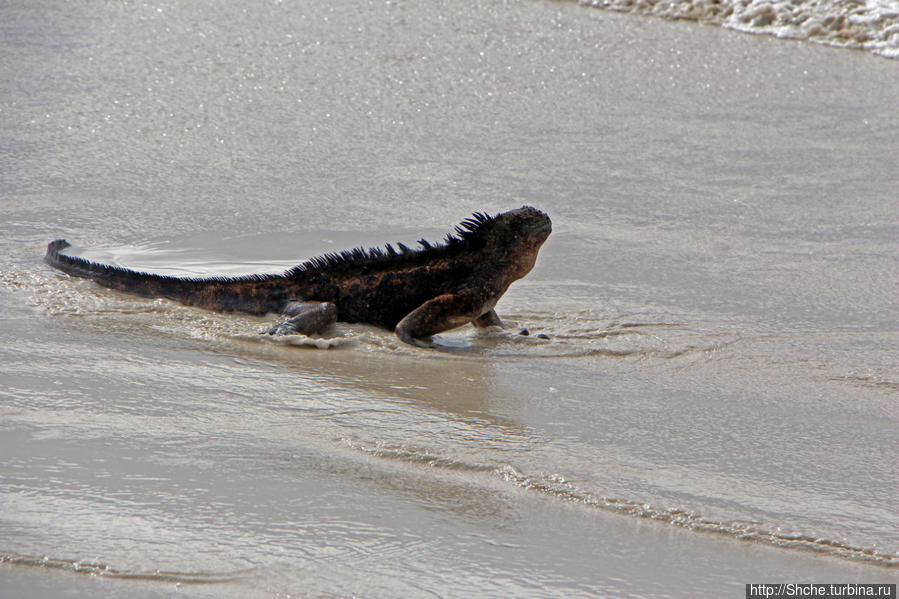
x=713, y=400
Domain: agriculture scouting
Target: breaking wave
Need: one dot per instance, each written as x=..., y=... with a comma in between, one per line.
x=872, y=25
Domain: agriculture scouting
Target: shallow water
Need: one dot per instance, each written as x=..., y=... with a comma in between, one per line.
x=715, y=404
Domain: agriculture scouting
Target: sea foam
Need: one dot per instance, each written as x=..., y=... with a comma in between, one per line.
x=872, y=25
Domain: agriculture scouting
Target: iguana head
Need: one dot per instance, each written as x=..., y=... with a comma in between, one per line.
x=516, y=236
x=524, y=222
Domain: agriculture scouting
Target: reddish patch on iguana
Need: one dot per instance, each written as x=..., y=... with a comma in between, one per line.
x=416, y=292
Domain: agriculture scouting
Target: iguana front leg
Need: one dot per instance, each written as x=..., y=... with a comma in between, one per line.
x=438, y=314
x=488, y=319
x=306, y=318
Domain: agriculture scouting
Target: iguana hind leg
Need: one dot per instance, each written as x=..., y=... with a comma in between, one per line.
x=306, y=318
x=441, y=313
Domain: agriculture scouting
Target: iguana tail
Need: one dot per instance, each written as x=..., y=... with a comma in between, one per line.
x=254, y=294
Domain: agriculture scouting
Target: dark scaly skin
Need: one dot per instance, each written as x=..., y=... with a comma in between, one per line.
x=417, y=293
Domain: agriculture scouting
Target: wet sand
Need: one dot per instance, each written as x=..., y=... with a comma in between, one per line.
x=715, y=404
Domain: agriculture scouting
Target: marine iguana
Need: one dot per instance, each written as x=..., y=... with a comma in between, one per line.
x=415, y=292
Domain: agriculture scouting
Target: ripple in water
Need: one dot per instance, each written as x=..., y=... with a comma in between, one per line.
x=104, y=570
x=559, y=487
